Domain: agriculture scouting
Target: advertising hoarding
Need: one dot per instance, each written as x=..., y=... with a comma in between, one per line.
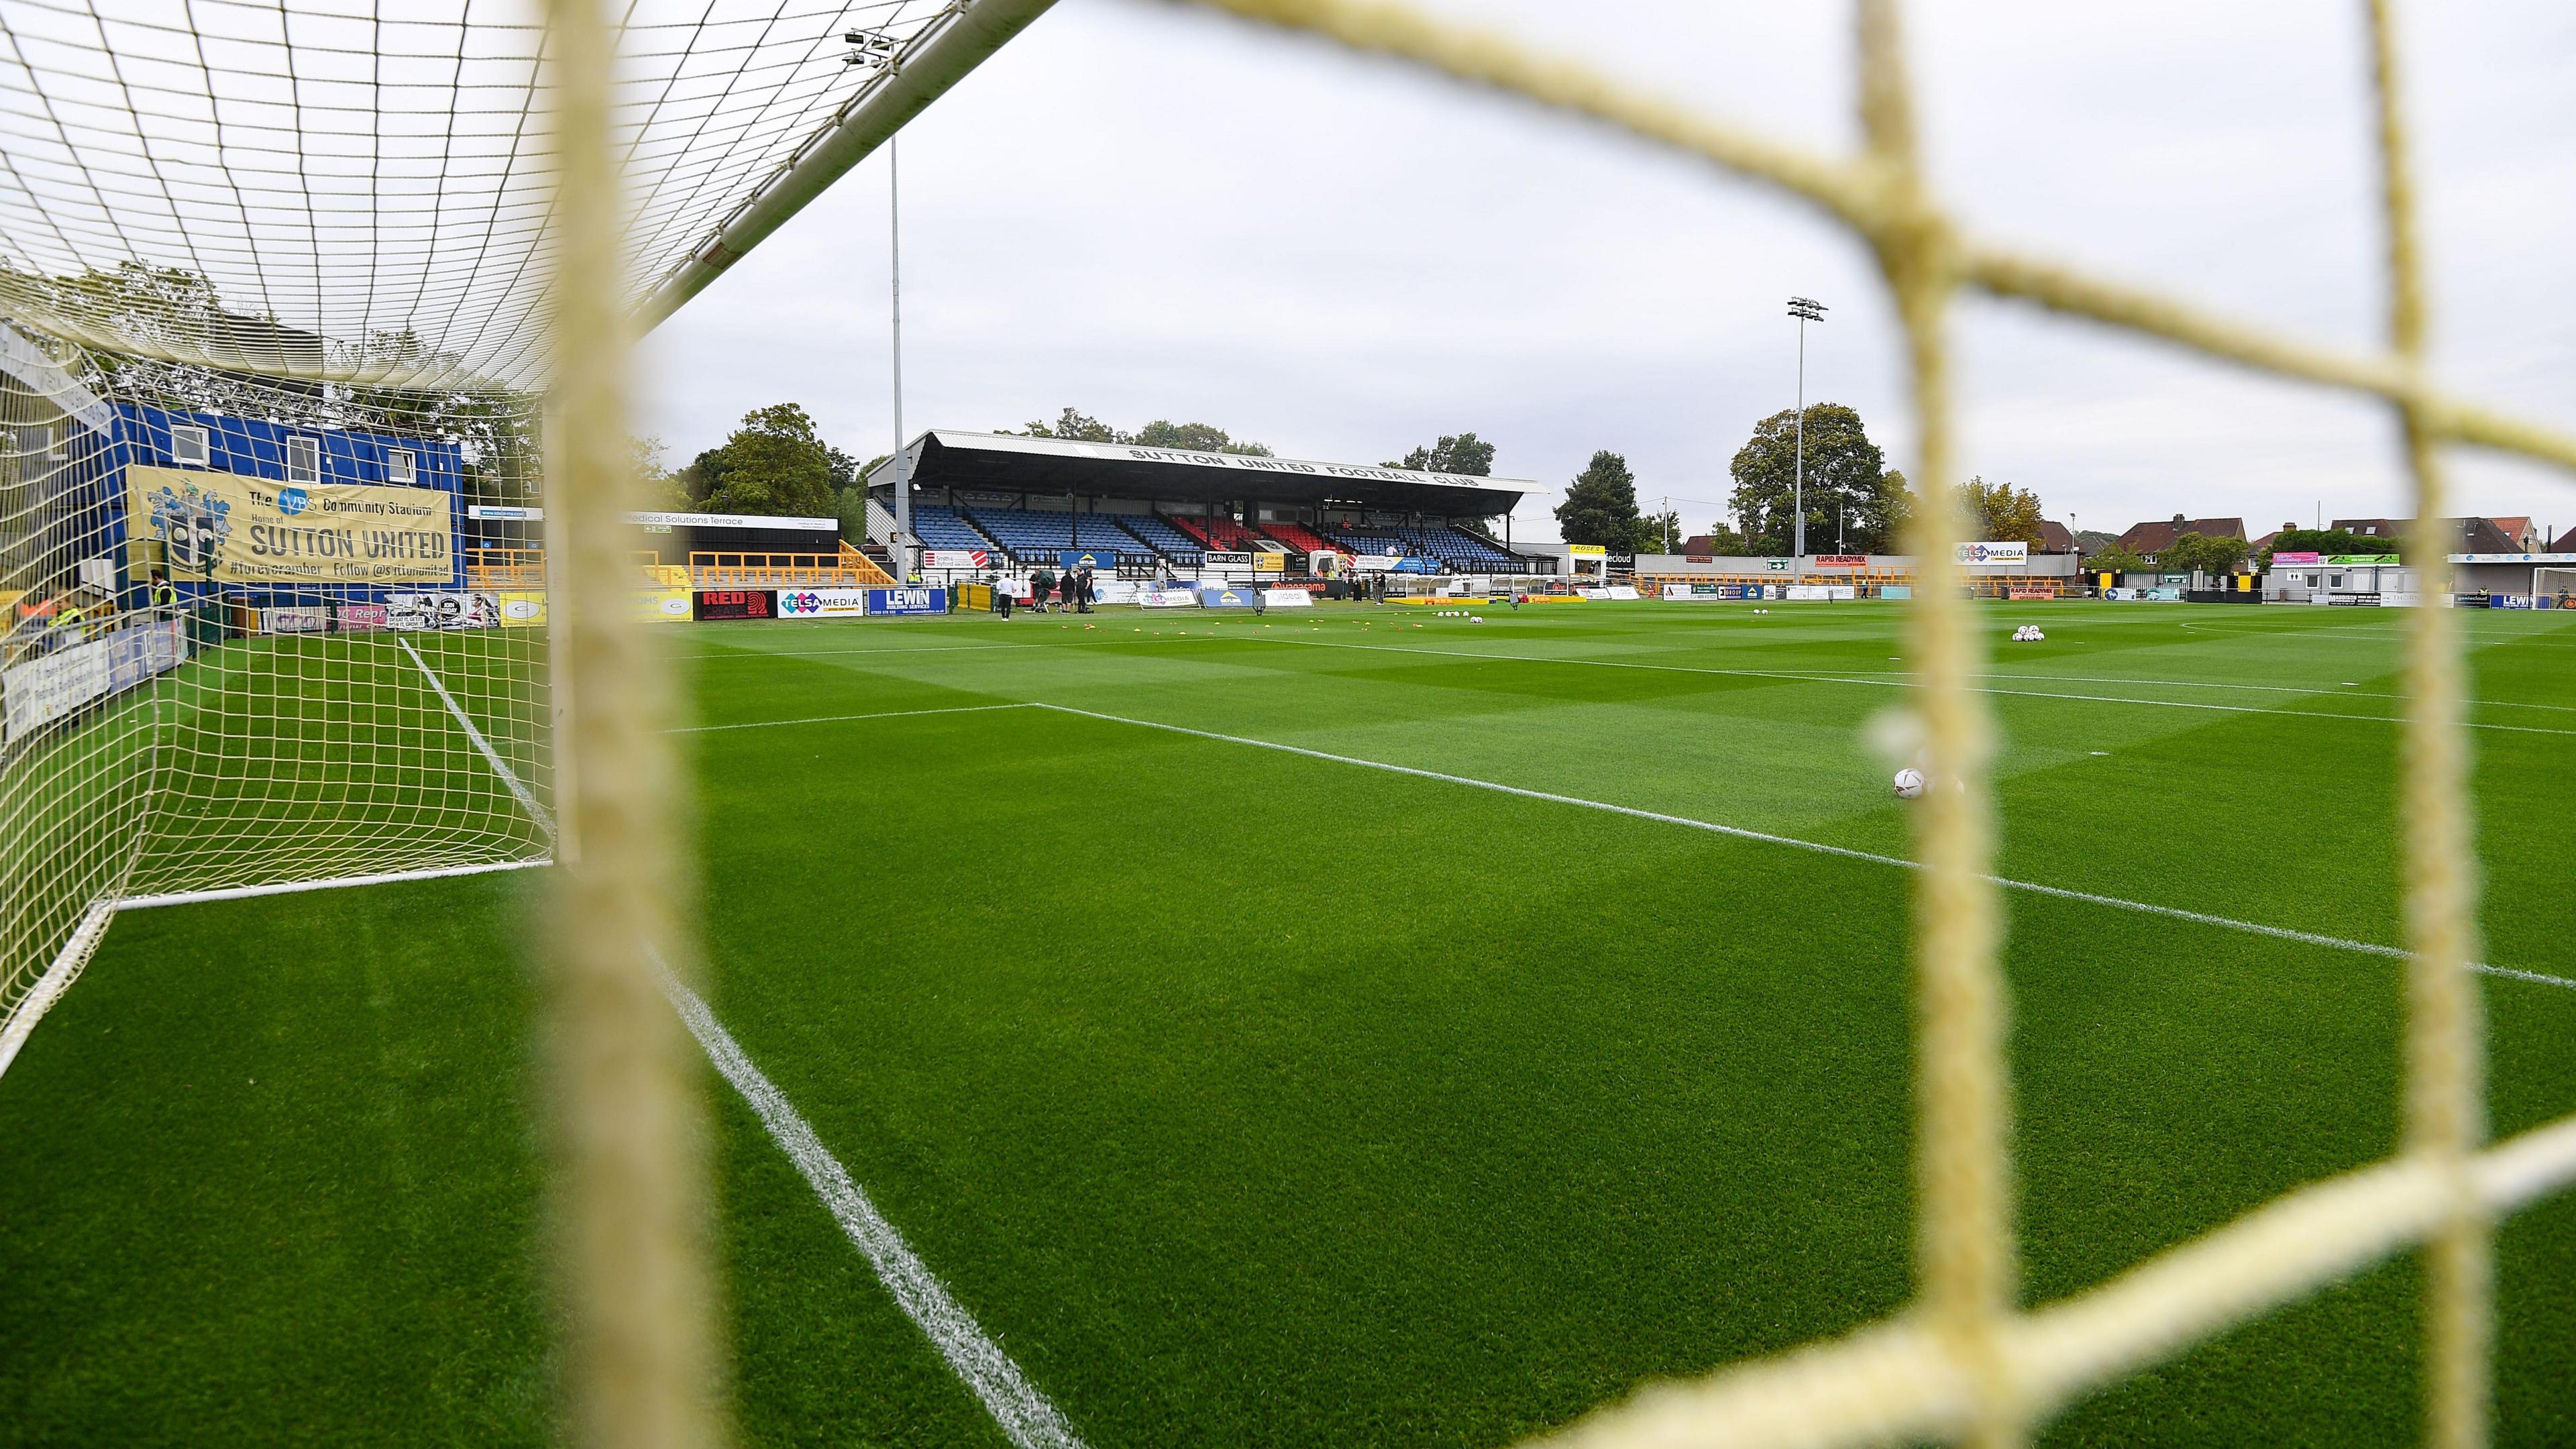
x=735, y=604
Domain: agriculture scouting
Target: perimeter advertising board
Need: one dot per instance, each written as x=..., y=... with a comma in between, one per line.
x=1087, y=558
x=1213, y=596
x=1168, y=598
x=245, y=530
x=954, y=558
x=1288, y=598
x=735, y=604
x=444, y=609
x=662, y=606
x=822, y=603
x=907, y=601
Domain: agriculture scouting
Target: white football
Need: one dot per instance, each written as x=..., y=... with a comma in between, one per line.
x=2036, y=636
x=1475, y=618
x=1909, y=784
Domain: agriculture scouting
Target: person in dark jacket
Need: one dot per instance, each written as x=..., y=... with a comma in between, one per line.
x=1042, y=589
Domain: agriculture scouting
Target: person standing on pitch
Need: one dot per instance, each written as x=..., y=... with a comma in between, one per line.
x=1001, y=596
x=1044, y=589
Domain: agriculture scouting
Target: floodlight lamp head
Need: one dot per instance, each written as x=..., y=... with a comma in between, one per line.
x=1807, y=309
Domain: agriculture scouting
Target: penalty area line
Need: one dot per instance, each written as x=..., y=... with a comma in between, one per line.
x=527, y=797
x=1028, y=1417
x=2283, y=933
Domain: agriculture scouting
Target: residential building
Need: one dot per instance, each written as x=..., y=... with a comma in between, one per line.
x=2146, y=540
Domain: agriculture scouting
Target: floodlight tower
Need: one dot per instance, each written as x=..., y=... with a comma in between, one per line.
x=1806, y=310
x=876, y=48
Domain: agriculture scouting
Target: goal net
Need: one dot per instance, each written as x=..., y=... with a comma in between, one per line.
x=274, y=322
x=2553, y=588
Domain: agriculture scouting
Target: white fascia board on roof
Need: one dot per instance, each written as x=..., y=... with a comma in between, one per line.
x=731, y=520
x=1238, y=462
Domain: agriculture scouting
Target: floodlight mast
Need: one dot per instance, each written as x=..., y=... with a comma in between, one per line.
x=1806, y=310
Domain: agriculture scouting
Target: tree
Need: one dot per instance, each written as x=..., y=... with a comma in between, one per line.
x=2194, y=552
x=1601, y=506
x=1999, y=512
x=1845, y=473
x=1196, y=438
x=661, y=487
x=1723, y=540
x=1662, y=533
x=1075, y=427
x=2329, y=541
x=1463, y=453
x=2114, y=559
x=773, y=464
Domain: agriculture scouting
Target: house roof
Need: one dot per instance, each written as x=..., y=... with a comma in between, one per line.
x=2566, y=542
x=2055, y=538
x=2149, y=538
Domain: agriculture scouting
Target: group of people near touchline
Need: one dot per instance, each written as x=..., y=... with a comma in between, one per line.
x=1071, y=591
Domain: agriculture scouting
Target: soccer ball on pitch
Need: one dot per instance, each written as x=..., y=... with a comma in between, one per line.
x=1909, y=784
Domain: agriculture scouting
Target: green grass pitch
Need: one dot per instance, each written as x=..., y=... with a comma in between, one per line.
x=1252, y=1097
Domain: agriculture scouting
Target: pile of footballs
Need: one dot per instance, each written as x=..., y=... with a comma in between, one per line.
x=2028, y=634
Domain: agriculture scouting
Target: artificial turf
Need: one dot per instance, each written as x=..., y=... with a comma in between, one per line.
x=1250, y=1096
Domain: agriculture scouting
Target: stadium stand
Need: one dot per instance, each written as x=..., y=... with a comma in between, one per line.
x=939, y=526
x=1158, y=534
x=1370, y=540
x=1221, y=533
x=1302, y=539
x=1041, y=534
x=1456, y=549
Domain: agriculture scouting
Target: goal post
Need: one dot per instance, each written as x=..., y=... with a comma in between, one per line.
x=2553, y=587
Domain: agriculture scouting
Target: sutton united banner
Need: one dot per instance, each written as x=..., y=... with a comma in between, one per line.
x=261, y=531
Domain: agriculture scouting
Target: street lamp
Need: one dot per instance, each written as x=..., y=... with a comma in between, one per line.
x=1806, y=310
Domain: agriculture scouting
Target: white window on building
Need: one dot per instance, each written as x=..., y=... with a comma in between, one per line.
x=189, y=447
x=401, y=466
x=303, y=460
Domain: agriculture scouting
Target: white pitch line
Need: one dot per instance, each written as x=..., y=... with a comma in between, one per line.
x=1879, y=683
x=831, y=653
x=2283, y=933
x=1028, y=1417
x=527, y=798
x=762, y=724
x=331, y=883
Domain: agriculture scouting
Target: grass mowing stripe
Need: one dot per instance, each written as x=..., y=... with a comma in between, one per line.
x=2192, y=684
x=2284, y=933
x=1030, y=1419
x=527, y=798
x=1882, y=683
x=762, y=724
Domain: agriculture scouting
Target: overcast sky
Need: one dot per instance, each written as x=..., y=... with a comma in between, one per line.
x=1149, y=212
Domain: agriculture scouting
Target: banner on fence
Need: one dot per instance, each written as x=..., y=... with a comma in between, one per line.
x=1168, y=598
x=1994, y=553
x=1288, y=598
x=523, y=610
x=360, y=618
x=42, y=690
x=1087, y=558
x=954, y=558
x=446, y=609
x=240, y=529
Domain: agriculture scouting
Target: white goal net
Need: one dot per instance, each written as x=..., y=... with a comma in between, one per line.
x=273, y=323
